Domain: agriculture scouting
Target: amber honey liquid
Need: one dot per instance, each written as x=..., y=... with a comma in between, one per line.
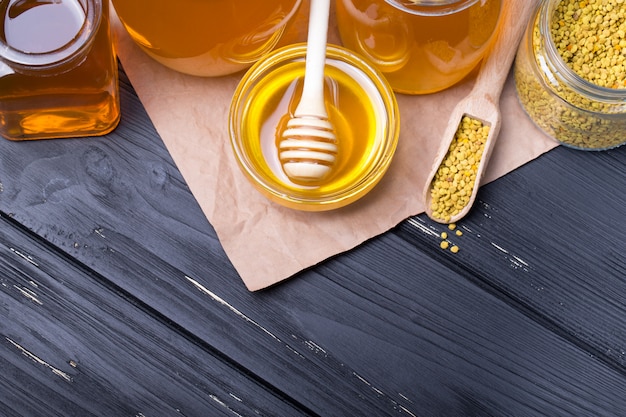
x=418, y=53
x=359, y=123
x=208, y=37
x=74, y=96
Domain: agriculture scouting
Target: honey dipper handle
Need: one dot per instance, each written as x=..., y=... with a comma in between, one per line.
x=312, y=101
x=497, y=62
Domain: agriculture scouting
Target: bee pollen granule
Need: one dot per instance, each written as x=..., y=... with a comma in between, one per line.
x=455, y=179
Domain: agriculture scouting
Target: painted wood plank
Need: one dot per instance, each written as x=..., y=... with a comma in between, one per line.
x=438, y=344
x=416, y=342
x=72, y=343
x=550, y=238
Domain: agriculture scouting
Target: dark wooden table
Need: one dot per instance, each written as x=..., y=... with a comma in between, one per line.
x=116, y=298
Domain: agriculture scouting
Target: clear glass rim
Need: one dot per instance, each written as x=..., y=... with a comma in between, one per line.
x=432, y=7
x=84, y=36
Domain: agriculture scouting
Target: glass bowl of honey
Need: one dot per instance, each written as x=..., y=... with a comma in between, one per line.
x=361, y=105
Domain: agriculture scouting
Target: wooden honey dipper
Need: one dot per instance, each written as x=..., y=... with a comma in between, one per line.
x=308, y=146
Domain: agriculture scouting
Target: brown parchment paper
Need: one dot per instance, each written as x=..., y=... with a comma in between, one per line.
x=268, y=243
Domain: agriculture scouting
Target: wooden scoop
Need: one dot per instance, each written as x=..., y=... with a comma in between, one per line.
x=482, y=103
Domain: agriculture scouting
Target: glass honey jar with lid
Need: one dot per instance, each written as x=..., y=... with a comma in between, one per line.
x=211, y=38
x=570, y=72
x=421, y=46
x=58, y=69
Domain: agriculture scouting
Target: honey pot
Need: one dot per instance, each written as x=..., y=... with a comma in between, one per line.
x=210, y=37
x=58, y=69
x=361, y=107
x=421, y=46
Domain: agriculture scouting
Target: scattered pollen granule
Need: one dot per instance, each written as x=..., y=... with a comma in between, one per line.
x=444, y=243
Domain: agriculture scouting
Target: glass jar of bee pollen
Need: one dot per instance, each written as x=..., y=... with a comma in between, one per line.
x=559, y=74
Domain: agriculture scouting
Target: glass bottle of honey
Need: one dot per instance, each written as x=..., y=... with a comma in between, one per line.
x=58, y=69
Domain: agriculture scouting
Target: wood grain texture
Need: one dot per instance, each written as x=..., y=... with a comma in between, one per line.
x=112, y=276
x=550, y=238
x=74, y=344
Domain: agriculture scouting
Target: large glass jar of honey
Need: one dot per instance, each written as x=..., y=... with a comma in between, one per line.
x=58, y=69
x=211, y=37
x=422, y=46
